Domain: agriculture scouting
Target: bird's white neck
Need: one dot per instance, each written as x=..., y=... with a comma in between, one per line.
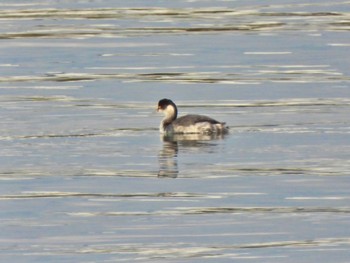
x=170, y=113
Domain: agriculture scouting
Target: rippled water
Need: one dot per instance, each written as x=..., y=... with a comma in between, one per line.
x=85, y=175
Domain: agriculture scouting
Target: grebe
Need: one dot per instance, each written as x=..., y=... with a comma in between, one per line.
x=199, y=124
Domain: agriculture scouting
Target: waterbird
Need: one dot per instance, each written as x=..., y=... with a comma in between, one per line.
x=188, y=124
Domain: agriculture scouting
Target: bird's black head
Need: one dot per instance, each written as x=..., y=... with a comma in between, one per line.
x=163, y=103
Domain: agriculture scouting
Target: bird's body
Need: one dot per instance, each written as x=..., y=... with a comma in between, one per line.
x=188, y=124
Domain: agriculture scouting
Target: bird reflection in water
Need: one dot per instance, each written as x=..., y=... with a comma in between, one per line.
x=168, y=162
x=168, y=159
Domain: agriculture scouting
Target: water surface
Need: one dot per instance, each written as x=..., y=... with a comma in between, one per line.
x=85, y=175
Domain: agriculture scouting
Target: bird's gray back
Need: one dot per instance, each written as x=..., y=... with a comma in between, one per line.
x=191, y=119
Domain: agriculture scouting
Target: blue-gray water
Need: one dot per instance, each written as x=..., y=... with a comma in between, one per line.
x=85, y=175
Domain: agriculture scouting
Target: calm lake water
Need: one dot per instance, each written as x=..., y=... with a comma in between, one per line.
x=85, y=175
